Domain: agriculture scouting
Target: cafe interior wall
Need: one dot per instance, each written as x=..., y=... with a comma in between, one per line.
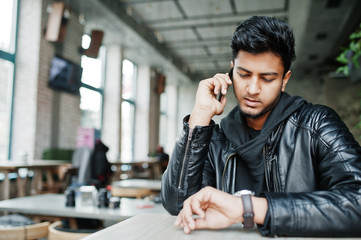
x=335, y=91
x=43, y=118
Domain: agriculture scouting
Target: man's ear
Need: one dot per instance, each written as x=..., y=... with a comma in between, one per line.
x=285, y=80
x=232, y=64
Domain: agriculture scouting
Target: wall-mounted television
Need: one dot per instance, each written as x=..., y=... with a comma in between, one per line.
x=65, y=75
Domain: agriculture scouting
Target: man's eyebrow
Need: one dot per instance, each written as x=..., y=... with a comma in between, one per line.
x=269, y=73
x=263, y=74
x=243, y=69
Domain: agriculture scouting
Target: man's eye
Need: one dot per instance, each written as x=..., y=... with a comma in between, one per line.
x=244, y=75
x=267, y=80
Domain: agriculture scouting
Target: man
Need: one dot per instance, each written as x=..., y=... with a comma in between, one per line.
x=299, y=159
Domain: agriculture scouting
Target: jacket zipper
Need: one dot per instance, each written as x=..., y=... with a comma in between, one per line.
x=274, y=174
x=184, y=158
x=266, y=169
x=270, y=167
x=224, y=170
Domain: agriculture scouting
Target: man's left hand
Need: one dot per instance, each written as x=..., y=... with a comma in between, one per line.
x=216, y=210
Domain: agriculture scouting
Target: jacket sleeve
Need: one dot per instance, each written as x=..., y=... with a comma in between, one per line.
x=183, y=176
x=335, y=209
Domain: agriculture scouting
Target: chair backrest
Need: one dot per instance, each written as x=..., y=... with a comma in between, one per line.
x=57, y=234
x=28, y=232
x=81, y=160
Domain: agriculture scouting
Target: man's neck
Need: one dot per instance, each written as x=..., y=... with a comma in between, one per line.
x=257, y=123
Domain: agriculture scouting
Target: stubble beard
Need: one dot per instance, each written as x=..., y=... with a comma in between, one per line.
x=265, y=110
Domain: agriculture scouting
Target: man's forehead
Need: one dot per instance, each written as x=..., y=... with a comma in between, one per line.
x=266, y=62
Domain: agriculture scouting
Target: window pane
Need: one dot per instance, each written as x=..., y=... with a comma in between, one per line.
x=128, y=82
x=7, y=25
x=6, y=80
x=92, y=69
x=127, y=131
x=90, y=105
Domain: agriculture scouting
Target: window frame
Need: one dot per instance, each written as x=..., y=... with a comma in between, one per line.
x=11, y=57
x=99, y=90
x=132, y=102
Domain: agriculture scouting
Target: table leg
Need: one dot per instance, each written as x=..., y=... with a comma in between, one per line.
x=6, y=185
x=37, y=183
x=117, y=173
x=21, y=186
x=49, y=179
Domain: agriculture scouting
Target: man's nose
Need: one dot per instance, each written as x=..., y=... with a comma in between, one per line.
x=254, y=86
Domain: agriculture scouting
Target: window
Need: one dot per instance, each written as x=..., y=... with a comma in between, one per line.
x=128, y=110
x=91, y=92
x=6, y=83
x=8, y=18
x=8, y=14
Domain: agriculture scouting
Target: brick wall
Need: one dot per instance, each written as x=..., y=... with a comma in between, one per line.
x=34, y=101
x=70, y=113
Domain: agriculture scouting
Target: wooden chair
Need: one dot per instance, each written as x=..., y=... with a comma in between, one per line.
x=28, y=232
x=58, y=234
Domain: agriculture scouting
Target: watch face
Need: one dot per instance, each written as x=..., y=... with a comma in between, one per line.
x=243, y=192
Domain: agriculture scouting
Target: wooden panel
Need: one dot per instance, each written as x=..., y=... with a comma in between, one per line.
x=56, y=26
x=96, y=41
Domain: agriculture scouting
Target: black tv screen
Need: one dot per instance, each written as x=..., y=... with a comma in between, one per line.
x=65, y=75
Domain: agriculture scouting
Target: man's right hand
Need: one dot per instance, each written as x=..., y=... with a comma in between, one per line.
x=207, y=105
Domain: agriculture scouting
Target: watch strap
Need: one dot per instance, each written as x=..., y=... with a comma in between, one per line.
x=248, y=215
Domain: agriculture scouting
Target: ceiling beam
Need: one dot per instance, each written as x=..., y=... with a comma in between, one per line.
x=207, y=58
x=243, y=15
x=118, y=9
x=192, y=42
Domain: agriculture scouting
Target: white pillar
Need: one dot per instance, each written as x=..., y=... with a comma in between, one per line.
x=112, y=102
x=26, y=82
x=172, y=116
x=142, y=113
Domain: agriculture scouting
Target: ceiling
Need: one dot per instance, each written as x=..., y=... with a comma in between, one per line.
x=193, y=36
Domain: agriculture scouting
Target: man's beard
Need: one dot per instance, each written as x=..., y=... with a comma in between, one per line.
x=267, y=109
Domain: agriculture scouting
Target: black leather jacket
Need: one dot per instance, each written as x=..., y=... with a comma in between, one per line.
x=312, y=173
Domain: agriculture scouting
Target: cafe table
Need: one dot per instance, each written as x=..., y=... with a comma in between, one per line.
x=161, y=227
x=37, y=166
x=152, y=163
x=53, y=205
x=135, y=187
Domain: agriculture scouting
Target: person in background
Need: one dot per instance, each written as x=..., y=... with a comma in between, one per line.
x=276, y=160
x=163, y=158
x=101, y=171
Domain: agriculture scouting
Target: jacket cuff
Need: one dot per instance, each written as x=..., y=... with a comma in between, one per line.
x=281, y=214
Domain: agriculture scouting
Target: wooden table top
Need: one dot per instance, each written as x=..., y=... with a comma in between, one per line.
x=135, y=162
x=161, y=227
x=13, y=165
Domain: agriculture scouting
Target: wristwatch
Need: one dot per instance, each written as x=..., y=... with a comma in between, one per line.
x=248, y=214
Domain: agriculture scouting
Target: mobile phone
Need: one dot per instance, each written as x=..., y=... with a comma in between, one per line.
x=230, y=74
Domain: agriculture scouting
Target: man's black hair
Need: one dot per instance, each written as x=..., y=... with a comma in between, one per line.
x=259, y=34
